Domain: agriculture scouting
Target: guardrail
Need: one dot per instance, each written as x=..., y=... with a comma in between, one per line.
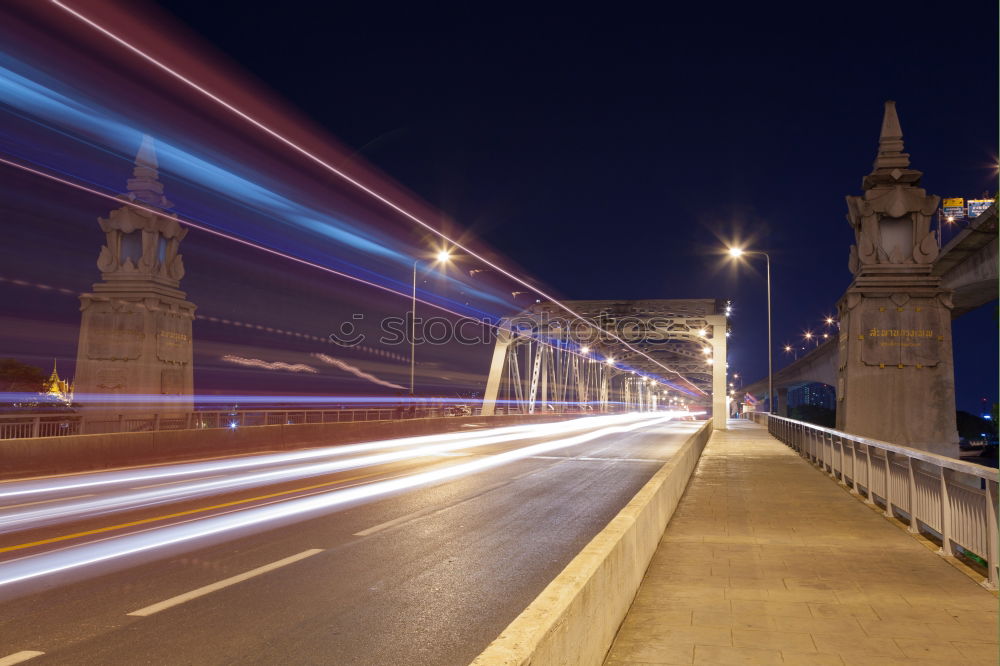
x=17, y=426
x=952, y=500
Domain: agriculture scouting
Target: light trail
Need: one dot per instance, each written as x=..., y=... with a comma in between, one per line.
x=346, y=177
x=221, y=234
x=57, y=513
x=75, y=557
x=41, y=487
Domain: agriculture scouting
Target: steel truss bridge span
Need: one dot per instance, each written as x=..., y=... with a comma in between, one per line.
x=640, y=354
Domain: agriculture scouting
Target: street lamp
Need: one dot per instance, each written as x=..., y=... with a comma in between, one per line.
x=442, y=257
x=736, y=253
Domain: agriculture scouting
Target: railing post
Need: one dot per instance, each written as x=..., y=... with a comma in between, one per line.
x=946, y=529
x=869, y=481
x=828, y=437
x=843, y=464
x=854, y=468
x=36, y=426
x=156, y=421
x=888, y=484
x=911, y=482
x=992, y=558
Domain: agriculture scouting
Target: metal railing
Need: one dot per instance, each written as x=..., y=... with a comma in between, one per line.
x=951, y=500
x=16, y=426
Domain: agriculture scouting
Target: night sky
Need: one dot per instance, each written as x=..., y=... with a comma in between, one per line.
x=609, y=154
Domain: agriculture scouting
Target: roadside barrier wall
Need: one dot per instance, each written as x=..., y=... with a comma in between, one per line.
x=77, y=453
x=574, y=620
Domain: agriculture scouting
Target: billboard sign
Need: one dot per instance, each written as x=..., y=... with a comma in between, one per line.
x=978, y=206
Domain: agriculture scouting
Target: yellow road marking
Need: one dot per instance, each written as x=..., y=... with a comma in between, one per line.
x=188, y=512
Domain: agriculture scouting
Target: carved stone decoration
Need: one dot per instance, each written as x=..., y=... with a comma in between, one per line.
x=895, y=377
x=135, y=331
x=892, y=219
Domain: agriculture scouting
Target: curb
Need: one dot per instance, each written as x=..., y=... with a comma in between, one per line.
x=575, y=618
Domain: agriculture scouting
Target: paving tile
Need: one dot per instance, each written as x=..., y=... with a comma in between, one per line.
x=720, y=656
x=632, y=652
x=842, y=610
x=873, y=647
x=929, y=648
x=841, y=626
x=768, y=561
x=733, y=620
x=811, y=659
x=985, y=653
x=777, y=640
x=795, y=609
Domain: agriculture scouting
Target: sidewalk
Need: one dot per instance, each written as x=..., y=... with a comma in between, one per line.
x=768, y=561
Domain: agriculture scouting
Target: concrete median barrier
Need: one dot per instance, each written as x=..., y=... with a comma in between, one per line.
x=575, y=618
x=20, y=458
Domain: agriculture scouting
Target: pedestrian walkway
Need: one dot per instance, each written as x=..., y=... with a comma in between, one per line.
x=768, y=561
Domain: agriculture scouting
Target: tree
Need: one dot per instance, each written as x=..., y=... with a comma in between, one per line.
x=17, y=377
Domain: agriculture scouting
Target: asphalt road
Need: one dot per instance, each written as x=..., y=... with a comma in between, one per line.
x=421, y=556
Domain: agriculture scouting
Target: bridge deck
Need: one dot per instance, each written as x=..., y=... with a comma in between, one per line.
x=769, y=561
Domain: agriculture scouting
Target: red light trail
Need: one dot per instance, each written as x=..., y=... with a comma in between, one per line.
x=344, y=176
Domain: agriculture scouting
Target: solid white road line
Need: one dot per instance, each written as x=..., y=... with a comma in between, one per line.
x=18, y=657
x=57, y=499
x=202, y=591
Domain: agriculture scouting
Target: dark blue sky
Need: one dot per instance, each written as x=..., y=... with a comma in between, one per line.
x=607, y=152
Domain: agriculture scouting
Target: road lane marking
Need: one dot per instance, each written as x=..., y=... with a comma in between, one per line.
x=144, y=521
x=173, y=483
x=207, y=589
x=18, y=657
x=57, y=499
x=425, y=512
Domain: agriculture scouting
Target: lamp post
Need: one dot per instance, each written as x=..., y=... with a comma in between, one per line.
x=737, y=252
x=443, y=257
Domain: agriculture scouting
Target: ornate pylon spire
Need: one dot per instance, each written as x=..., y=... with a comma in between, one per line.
x=891, y=219
x=890, y=142
x=145, y=186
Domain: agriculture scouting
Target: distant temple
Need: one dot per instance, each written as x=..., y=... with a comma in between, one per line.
x=57, y=389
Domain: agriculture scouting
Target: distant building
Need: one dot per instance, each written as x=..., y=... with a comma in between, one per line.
x=58, y=389
x=817, y=395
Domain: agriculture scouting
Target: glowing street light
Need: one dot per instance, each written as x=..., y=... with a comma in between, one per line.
x=737, y=253
x=443, y=256
x=585, y=349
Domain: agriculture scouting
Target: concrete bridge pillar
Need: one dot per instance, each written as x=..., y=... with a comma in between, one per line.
x=719, y=387
x=896, y=378
x=781, y=404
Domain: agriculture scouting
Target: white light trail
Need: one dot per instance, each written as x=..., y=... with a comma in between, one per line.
x=38, y=516
x=96, y=480
x=347, y=367
x=269, y=365
x=44, y=564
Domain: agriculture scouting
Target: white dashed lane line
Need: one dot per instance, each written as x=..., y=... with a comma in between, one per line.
x=208, y=589
x=18, y=657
